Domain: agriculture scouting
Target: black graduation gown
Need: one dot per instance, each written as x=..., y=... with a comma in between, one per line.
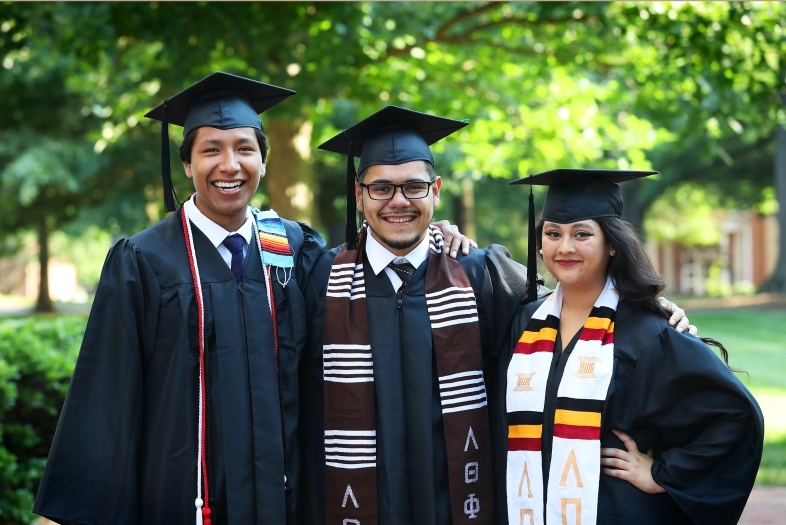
x=125, y=450
x=671, y=393
x=412, y=480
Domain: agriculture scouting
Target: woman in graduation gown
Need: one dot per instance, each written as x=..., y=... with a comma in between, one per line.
x=611, y=416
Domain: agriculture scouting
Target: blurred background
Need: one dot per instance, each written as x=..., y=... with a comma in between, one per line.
x=694, y=90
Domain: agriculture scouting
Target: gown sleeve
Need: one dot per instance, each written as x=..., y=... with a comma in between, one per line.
x=311, y=501
x=309, y=253
x=710, y=428
x=508, y=281
x=91, y=472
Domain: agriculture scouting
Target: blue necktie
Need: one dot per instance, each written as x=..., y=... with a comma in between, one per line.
x=235, y=244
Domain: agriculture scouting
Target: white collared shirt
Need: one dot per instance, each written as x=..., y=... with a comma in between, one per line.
x=216, y=233
x=379, y=257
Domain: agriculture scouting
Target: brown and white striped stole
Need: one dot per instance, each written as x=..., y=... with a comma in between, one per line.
x=350, y=419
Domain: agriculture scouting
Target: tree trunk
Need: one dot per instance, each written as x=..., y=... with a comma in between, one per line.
x=633, y=208
x=464, y=209
x=44, y=302
x=290, y=179
x=777, y=281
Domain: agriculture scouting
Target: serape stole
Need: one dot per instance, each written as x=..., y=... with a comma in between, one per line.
x=350, y=418
x=574, y=472
x=273, y=243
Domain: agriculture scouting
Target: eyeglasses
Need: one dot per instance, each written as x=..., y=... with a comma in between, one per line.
x=383, y=191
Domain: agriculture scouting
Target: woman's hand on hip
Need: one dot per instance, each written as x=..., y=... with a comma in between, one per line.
x=631, y=465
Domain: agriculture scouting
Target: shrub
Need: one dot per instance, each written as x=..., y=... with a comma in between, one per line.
x=37, y=357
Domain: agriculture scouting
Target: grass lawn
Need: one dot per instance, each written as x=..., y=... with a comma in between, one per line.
x=756, y=341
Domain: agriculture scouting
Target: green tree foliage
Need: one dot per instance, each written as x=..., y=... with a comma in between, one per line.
x=37, y=357
x=687, y=88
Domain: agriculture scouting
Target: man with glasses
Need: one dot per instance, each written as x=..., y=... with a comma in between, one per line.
x=394, y=417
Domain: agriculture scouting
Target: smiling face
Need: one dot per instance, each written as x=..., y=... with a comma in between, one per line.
x=576, y=254
x=399, y=224
x=226, y=166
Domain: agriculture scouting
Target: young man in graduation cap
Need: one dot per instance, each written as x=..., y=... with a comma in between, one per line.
x=393, y=389
x=183, y=405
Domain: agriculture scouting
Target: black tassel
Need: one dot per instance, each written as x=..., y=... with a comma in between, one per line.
x=532, y=261
x=169, y=190
x=352, y=220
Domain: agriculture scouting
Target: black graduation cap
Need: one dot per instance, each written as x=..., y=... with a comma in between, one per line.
x=574, y=195
x=392, y=135
x=220, y=100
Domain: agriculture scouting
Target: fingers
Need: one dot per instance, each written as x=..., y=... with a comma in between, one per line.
x=613, y=452
x=466, y=242
x=615, y=463
x=617, y=473
x=666, y=304
x=447, y=231
x=626, y=440
x=678, y=319
x=682, y=325
x=457, y=240
x=465, y=246
x=454, y=239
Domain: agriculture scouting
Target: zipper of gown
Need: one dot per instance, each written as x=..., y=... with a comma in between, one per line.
x=250, y=402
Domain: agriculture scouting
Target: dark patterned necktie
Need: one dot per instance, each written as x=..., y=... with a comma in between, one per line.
x=235, y=244
x=404, y=270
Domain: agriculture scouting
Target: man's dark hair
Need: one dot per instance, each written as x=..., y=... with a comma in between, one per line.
x=429, y=170
x=190, y=137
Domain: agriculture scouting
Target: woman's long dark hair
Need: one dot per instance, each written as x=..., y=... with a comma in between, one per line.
x=631, y=269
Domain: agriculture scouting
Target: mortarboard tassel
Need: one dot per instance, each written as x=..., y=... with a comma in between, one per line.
x=532, y=261
x=166, y=175
x=352, y=221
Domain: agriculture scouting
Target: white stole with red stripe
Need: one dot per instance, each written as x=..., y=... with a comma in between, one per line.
x=574, y=472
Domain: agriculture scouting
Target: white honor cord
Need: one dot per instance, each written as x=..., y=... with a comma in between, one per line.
x=201, y=313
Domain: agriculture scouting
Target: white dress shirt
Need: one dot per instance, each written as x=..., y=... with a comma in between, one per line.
x=379, y=257
x=216, y=233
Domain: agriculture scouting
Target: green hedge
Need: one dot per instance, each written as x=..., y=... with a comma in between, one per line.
x=37, y=356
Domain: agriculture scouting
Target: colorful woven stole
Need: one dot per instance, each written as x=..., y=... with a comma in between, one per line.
x=350, y=418
x=273, y=244
x=274, y=250
x=574, y=472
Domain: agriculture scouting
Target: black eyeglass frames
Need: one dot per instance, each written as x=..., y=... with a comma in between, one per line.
x=384, y=191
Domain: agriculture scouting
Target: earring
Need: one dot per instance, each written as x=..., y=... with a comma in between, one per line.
x=541, y=252
x=613, y=253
